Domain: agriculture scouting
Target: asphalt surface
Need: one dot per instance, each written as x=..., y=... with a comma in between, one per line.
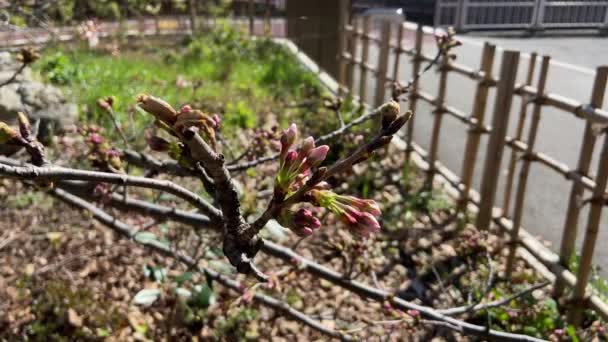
x=571, y=74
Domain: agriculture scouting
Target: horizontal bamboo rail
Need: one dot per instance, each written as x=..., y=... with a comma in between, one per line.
x=461, y=188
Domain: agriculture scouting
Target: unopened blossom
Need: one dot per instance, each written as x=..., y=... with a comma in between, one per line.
x=359, y=215
x=295, y=164
x=288, y=138
x=302, y=222
x=95, y=139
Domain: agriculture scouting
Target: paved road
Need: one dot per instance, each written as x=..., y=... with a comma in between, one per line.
x=571, y=74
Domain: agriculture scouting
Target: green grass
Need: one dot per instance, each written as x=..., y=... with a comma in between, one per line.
x=240, y=79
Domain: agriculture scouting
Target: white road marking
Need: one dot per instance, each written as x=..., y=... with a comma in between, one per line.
x=477, y=42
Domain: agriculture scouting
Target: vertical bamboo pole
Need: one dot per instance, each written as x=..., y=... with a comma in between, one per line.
x=439, y=111
x=593, y=225
x=385, y=38
x=192, y=10
x=251, y=23
x=342, y=39
x=525, y=167
x=364, y=57
x=478, y=113
x=267, y=26
x=352, y=51
x=398, y=52
x=500, y=120
x=521, y=121
x=417, y=59
x=584, y=161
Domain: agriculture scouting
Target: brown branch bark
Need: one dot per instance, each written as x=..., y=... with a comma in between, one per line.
x=129, y=232
x=61, y=173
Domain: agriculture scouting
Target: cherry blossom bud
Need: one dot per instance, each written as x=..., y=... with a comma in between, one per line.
x=307, y=146
x=157, y=107
x=368, y=224
x=414, y=313
x=96, y=139
x=7, y=134
x=25, y=128
x=304, y=217
x=288, y=138
x=185, y=108
x=290, y=158
x=218, y=121
x=389, y=112
x=317, y=155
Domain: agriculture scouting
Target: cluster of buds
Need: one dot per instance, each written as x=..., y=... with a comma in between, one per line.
x=23, y=138
x=302, y=222
x=175, y=122
x=295, y=165
x=446, y=41
x=101, y=154
x=27, y=56
x=399, y=89
x=106, y=103
x=359, y=215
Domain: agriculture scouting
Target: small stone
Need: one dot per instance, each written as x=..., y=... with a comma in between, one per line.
x=74, y=319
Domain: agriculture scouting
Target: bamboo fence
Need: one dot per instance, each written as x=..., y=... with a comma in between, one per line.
x=522, y=151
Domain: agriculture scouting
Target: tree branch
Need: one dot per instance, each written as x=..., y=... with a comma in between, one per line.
x=62, y=173
x=129, y=232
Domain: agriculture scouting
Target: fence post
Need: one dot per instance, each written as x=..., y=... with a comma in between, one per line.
x=593, y=225
x=417, y=59
x=364, y=57
x=192, y=8
x=462, y=20
x=439, y=111
x=398, y=52
x=525, y=168
x=500, y=119
x=584, y=162
x=478, y=113
x=251, y=23
x=352, y=51
x=521, y=120
x=342, y=35
x=385, y=37
x=267, y=19
x=538, y=15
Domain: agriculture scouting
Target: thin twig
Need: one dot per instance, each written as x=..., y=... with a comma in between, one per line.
x=14, y=76
x=62, y=173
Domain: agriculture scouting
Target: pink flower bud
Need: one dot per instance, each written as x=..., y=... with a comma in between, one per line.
x=307, y=145
x=366, y=205
x=288, y=138
x=112, y=153
x=290, y=158
x=317, y=155
x=218, y=121
x=185, y=108
x=96, y=139
x=368, y=221
x=305, y=218
x=559, y=332
x=414, y=313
